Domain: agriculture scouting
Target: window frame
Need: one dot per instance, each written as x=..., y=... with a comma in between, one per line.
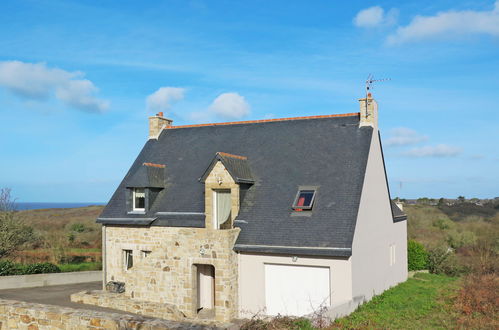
x=145, y=253
x=134, y=192
x=299, y=208
x=127, y=253
x=214, y=215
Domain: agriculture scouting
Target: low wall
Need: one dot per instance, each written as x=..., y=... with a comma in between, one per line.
x=21, y=315
x=31, y=281
x=120, y=302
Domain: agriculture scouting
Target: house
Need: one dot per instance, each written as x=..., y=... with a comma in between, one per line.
x=276, y=216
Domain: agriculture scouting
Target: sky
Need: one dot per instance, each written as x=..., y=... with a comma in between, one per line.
x=78, y=80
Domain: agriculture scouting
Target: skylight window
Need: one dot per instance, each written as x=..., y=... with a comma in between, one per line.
x=304, y=200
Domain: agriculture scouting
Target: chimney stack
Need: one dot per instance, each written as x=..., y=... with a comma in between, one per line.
x=156, y=125
x=368, y=111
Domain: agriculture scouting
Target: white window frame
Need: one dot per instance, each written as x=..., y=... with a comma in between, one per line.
x=126, y=254
x=392, y=254
x=297, y=197
x=216, y=225
x=214, y=213
x=145, y=253
x=133, y=199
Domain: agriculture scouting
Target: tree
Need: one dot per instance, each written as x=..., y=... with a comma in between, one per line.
x=14, y=233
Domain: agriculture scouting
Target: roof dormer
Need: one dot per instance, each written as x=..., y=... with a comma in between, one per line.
x=222, y=180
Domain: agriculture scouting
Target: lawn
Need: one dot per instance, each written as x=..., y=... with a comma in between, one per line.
x=422, y=302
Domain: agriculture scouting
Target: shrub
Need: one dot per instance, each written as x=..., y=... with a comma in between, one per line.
x=457, y=240
x=8, y=268
x=41, y=268
x=77, y=227
x=417, y=257
x=443, y=260
x=443, y=224
x=477, y=302
x=13, y=232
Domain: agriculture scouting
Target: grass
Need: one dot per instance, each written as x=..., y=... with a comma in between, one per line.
x=84, y=266
x=422, y=302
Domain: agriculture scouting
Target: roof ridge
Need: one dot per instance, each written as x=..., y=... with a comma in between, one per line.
x=154, y=165
x=265, y=120
x=231, y=155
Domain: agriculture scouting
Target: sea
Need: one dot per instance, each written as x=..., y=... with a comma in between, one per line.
x=20, y=206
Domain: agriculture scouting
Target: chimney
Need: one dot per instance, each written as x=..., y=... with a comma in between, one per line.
x=368, y=111
x=156, y=124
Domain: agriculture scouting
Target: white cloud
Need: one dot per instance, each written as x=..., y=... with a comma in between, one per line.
x=37, y=81
x=403, y=136
x=162, y=99
x=440, y=150
x=230, y=105
x=448, y=24
x=78, y=94
x=375, y=16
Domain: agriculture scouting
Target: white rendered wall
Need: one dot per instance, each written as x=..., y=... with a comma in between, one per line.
x=375, y=232
x=252, y=279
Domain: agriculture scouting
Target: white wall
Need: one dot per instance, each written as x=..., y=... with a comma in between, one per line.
x=37, y=280
x=375, y=232
x=252, y=279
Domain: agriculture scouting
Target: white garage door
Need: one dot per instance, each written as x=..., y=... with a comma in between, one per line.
x=296, y=290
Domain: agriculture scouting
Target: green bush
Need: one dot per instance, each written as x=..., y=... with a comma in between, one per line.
x=9, y=268
x=443, y=260
x=457, y=239
x=41, y=268
x=443, y=224
x=77, y=227
x=417, y=257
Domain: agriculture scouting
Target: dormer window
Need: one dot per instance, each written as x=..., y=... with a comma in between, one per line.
x=139, y=199
x=304, y=200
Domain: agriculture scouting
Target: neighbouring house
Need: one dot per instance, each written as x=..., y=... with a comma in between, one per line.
x=276, y=216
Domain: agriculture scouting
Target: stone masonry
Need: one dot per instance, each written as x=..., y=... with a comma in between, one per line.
x=168, y=273
x=30, y=316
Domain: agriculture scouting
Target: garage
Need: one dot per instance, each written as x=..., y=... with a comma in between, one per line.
x=296, y=290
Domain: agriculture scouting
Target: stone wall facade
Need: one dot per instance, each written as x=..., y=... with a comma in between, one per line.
x=168, y=273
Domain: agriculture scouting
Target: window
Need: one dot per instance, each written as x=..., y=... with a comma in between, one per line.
x=304, y=200
x=139, y=199
x=127, y=259
x=392, y=254
x=222, y=205
x=145, y=253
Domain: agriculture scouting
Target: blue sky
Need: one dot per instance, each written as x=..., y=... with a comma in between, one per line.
x=79, y=79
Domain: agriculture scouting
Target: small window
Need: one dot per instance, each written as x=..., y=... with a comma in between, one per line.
x=392, y=254
x=139, y=199
x=145, y=253
x=127, y=259
x=304, y=200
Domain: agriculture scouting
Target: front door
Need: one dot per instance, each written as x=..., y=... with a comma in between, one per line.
x=206, y=287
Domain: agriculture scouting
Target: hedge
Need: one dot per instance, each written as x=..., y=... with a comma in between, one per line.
x=10, y=268
x=417, y=256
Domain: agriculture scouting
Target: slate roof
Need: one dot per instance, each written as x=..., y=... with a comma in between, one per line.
x=237, y=166
x=327, y=152
x=148, y=176
x=398, y=214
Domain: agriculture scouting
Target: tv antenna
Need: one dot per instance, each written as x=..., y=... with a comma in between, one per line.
x=369, y=82
x=369, y=85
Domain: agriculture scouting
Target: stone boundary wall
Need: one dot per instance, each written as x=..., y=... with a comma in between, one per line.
x=31, y=316
x=121, y=302
x=36, y=280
